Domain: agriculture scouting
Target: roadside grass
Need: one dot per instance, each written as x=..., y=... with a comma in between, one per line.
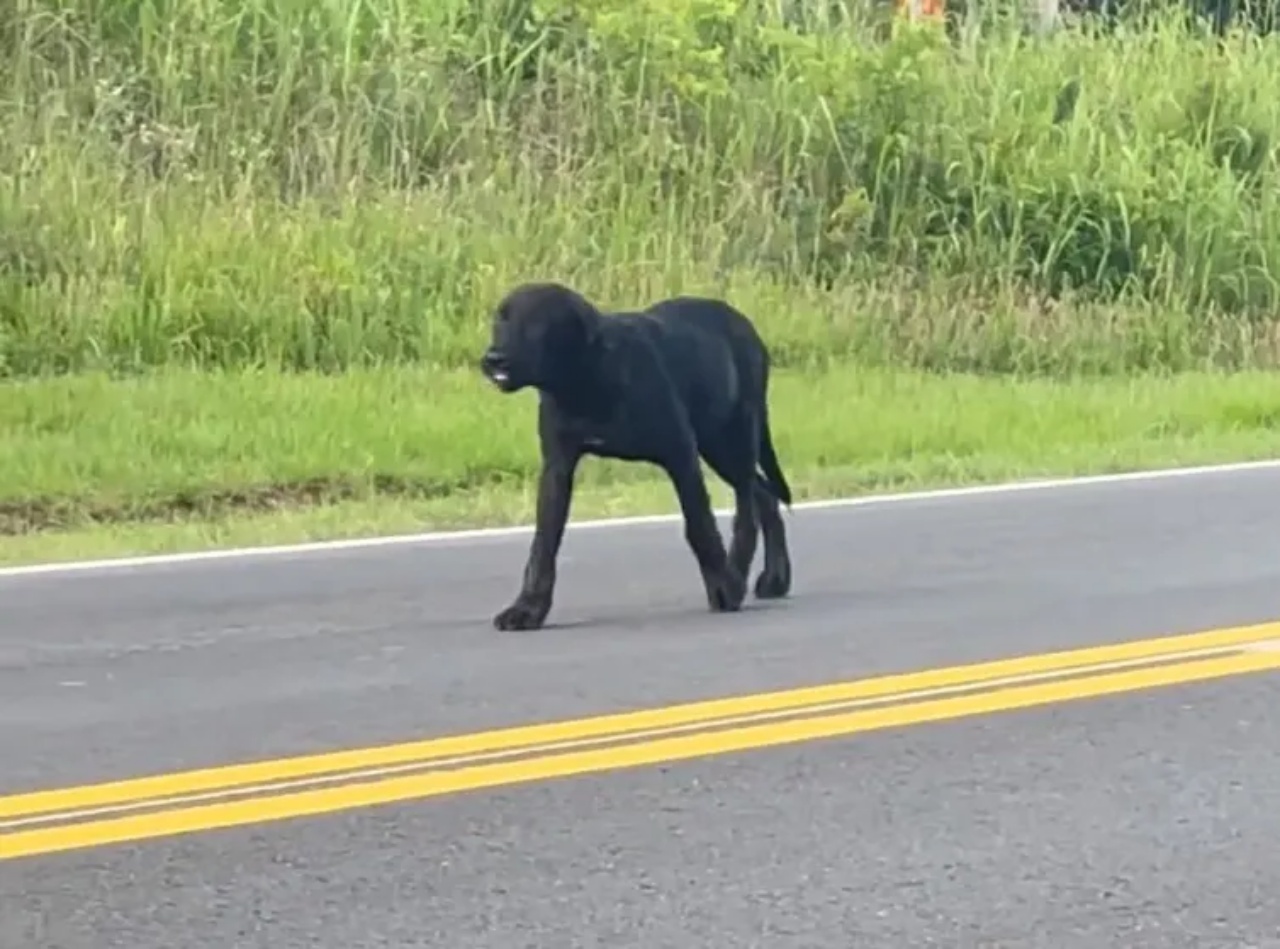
x=188, y=460
x=247, y=249
x=265, y=183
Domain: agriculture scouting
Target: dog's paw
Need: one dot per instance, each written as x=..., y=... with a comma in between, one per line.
x=521, y=615
x=773, y=585
x=726, y=591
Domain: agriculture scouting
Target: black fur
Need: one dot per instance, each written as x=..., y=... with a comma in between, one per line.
x=684, y=378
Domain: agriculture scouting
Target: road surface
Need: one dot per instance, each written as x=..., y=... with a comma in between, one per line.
x=917, y=812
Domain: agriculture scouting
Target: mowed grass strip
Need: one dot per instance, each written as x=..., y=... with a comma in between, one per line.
x=184, y=460
x=346, y=189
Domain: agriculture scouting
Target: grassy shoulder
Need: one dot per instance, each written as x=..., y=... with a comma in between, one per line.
x=188, y=460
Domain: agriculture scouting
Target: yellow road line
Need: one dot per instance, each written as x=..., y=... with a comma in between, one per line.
x=531, y=738
x=365, y=774
x=635, y=753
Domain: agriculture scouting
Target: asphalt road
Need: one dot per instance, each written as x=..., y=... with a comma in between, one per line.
x=1142, y=820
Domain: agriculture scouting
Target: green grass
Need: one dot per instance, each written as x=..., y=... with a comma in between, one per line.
x=239, y=183
x=248, y=247
x=184, y=459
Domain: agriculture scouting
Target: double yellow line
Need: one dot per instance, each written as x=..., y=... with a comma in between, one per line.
x=162, y=805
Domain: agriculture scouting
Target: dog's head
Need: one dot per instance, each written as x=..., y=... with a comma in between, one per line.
x=542, y=336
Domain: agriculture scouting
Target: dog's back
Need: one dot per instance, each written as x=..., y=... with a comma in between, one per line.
x=719, y=365
x=712, y=350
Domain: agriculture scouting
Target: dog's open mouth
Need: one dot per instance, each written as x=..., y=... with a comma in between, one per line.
x=494, y=365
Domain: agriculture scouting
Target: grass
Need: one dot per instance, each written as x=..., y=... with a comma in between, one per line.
x=242, y=183
x=189, y=459
x=248, y=247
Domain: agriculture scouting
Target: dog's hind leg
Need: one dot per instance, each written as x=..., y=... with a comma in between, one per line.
x=726, y=588
x=756, y=509
x=774, y=581
x=732, y=458
x=746, y=528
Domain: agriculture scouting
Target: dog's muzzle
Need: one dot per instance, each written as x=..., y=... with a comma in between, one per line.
x=496, y=367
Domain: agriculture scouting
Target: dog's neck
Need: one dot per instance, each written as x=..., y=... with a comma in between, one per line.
x=586, y=394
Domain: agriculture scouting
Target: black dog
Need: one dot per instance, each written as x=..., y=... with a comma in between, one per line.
x=684, y=378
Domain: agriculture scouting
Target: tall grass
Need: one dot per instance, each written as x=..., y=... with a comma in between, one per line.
x=331, y=183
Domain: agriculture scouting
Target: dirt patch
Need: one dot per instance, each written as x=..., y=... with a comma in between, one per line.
x=38, y=515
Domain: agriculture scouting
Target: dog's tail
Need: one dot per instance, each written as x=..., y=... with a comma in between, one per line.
x=773, y=479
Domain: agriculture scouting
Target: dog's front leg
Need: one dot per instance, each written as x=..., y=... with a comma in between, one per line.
x=725, y=587
x=555, y=491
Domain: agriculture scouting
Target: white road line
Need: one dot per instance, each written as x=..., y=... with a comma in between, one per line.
x=445, y=537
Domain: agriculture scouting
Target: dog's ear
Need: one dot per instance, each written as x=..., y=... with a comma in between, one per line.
x=588, y=319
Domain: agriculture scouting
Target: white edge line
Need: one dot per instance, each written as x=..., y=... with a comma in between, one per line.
x=483, y=533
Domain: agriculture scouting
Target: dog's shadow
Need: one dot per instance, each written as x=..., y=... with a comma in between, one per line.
x=689, y=619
